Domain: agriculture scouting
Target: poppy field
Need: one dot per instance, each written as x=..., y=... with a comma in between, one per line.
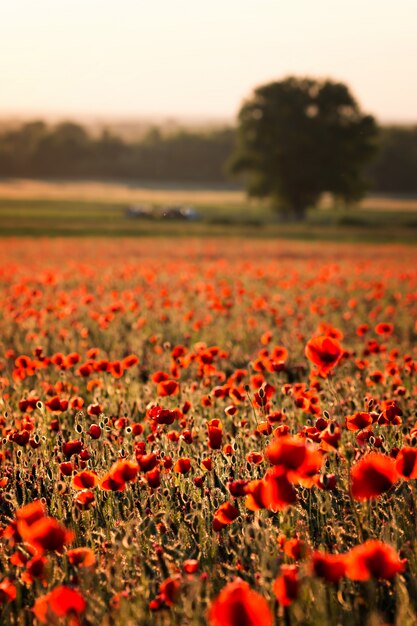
x=207, y=432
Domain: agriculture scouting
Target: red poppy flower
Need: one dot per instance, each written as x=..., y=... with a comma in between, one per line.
x=76, y=403
x=254, y=457
x=286, y=451
x=238, y=488
x=384, y=328
x=7, y=591
x=60, y=602
x=390, y=413
x=225, y=514
x=362, y=329
x=81, y=557
x=84, y=499
x=296, y=548
x=207, y=464
x=327, y=329
x=182, y=466
x=330, y=567
x=190, y=566
x=273, y=492
x=279, y=353
x=215, y=434
x=239, y=605
x=374, y=474
x=94, y=431
x=325, y=352
x=31, y=513
x=286, y=585
x=358, y=421
x=167, y=388
x=406, y=463
x=101, y=366
x=329, y=437
x=46, y=534
x=25, y=363
x=146, y=462
x=58, y=359
x=109, y=483
x=154, y=478
x=71, y=359
x=159, y=376
x=373, y=559
x=56, y=405
x=94, y=409
x=86, y=479
x=130, y=361
x=301, y=461
x=116, y=369
x=85, y=370
x=169, y=590
x=164, y=416
x=35, y=569
x=124, y=470
x=72, y=447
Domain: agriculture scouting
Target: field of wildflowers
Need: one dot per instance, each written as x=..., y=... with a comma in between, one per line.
x=207, y=432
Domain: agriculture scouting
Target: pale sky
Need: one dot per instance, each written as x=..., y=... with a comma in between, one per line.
x=197, y=58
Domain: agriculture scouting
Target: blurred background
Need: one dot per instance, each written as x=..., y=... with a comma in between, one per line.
x=129, y=118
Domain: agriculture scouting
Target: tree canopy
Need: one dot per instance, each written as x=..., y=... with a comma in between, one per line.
x=68, y=150
x=190, y=156
x=298, y=138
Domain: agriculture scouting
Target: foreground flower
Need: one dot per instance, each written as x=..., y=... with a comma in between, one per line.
x=358, y=421
x=273, y=492
x=286, y=585
x=46, y=535
x=301, y=462
x=406, y=463
x=373, y=559
x=225, y=514
x=84, y=499
x=325, y=352
x=373, y=475
x=238, y=605
x=7, y=591
x=42, y=532
x=215, y=434
x=120, y=473
x=167, y=388
x=61, y=602
x=86, y=479
x=81, y=557
x=169, y=590
x=330, y=567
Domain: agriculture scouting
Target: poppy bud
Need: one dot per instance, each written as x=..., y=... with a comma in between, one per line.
x=66, y=468
x=94, y=431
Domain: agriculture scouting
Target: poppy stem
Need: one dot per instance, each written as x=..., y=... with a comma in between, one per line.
x=358, y=522
x=287, y=616
x=328, y=606
x=252, y=407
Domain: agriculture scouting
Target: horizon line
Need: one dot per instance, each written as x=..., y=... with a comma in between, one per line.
x=174, y=118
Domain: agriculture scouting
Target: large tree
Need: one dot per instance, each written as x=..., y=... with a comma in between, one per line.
x=298, y=138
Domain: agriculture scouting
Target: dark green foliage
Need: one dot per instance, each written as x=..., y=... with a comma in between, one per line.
x=395, y=167
x=36, y=150
x=300, y=137
x=68, y=151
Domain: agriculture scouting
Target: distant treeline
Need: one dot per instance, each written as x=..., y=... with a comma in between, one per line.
x=67, y=150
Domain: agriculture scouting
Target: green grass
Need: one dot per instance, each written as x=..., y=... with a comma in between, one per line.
x=37, y=217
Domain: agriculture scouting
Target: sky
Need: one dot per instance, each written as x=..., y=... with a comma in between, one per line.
x=201, y=58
